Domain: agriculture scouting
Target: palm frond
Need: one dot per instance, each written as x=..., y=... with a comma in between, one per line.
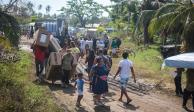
x=144, y=18
x=169, y=21
x=170, y=7
x=161, y=22
x=181, y=17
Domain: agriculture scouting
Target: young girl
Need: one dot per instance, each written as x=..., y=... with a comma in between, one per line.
x=80, y=86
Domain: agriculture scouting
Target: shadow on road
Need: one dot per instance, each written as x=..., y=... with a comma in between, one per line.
x=102, y=108
x=131, y=107
x=81, y=109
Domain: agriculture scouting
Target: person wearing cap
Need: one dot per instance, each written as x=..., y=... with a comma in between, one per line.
x=67, y=65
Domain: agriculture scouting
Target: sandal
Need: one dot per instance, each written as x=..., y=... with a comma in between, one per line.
x=78, y=105
x=128, y=101
x=99, y=103
x=120, y=100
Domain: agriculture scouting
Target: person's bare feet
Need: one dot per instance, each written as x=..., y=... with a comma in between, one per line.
x=120, y=99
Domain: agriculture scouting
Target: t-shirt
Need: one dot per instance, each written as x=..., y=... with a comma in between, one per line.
x=125, y=65
x=39, y=54
x=80, y=84
x=90, y=43
x=114, y=44
x=75, y=52
x=82, y=44
x=67, y=61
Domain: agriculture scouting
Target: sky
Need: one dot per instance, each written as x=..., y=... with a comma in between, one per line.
x=57, y=4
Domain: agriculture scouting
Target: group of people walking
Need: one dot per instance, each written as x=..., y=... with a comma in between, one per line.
x=99, y=64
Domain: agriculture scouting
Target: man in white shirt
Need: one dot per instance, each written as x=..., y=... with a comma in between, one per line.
x=82, y=46
x=125, y=70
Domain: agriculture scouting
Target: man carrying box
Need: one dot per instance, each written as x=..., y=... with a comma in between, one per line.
x=40, y=56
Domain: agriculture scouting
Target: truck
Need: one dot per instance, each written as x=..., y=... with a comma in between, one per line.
x=57, y=27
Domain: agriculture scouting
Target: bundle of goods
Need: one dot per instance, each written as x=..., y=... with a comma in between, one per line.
x=42, y=38
x=54, y=44
x=53, y=67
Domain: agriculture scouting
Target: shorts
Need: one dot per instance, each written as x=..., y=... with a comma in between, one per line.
x=79, y=92
x=123, y=83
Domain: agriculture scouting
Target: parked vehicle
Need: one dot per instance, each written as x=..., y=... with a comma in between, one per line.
x=58, y=28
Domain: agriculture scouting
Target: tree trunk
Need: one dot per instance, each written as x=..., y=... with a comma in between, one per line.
x=190, y=33
x=129, y=19
x=82, y=21
x=145, y=34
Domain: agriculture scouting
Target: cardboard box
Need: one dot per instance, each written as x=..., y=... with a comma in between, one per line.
x=42, y=37
x=53, y=67
x=54, y=44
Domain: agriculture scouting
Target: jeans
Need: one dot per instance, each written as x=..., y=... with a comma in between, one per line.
x=39, y=67
x=186, y=96
x=65, y=77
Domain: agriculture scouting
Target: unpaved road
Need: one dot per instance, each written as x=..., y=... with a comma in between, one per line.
x=66, y=98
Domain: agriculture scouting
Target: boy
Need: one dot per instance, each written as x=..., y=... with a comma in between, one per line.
x=80, y=85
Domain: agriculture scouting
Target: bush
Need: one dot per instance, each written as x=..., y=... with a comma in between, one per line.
x=17, y=93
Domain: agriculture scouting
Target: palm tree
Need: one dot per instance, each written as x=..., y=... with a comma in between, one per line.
x=39, y=14
x=30, y=6
x=148, y=8
x=39, y=7
x=48, y=9
x=175, y=18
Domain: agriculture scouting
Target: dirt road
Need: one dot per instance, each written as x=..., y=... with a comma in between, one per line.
x=66, y=98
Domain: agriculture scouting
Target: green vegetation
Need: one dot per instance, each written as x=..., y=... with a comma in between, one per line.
x=84, y=10
x=10, y=26
x=149, y=58
x=17, y=91
x=147, y=62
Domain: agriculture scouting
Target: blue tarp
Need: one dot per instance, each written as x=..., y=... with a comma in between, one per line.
x=185, y=60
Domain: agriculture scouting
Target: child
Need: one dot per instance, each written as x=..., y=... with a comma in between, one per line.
x=80, y=84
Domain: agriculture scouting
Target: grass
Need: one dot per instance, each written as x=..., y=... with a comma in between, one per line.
x=18, y=93
x=147, y=64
